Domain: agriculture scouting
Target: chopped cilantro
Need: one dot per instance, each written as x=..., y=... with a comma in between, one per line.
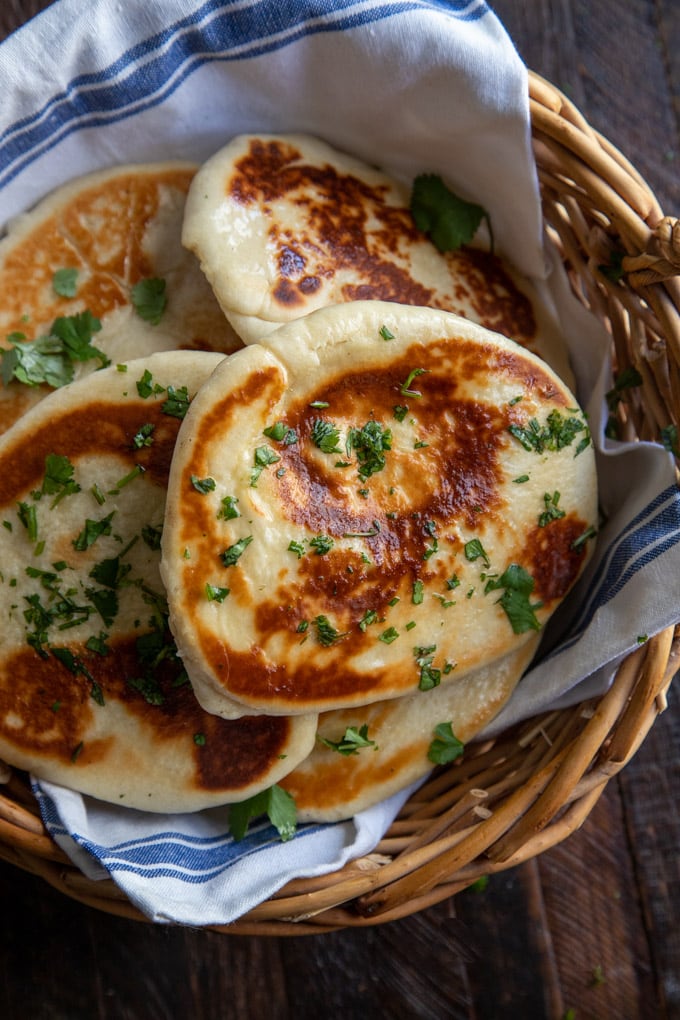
x=369, y=443
x=296, y=547
x=152, y=535
x=228, y=510
x=149, y=688
x=275, y=802
x=474, y=550
x=351, y=742
x=27, y=515
x=321, y=544
x=263, y=457
x=552, y=511
x=233, y=553
x=149, y=299
x=144, y=436
x=447, y=219
x=517, y=585
x=58, y=480
x=446, y=746
x=369, y=617
x=400, y=411
x=325, y=631
x=405, y=390
x=203, y=485
x=65, y=282
x=110, y=572
x=325, y=436
x=146, y=387
x=417, y=593
x=92, y=531
x=429, y=676
x=557, y=433
x=584, y=537
x=389, y=635
x=216, y=594
x=105, y=602
x=386, y=333
x=199, y=739
x=177, y=403
x=136, y=471
x=281, y=433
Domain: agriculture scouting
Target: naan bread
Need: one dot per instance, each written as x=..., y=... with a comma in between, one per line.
x=92, y=694
x=116, y=228
x=283, y=225
x=330, y=785
x=363, y=497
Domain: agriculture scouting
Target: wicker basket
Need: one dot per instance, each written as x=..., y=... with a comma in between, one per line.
x=518, y=795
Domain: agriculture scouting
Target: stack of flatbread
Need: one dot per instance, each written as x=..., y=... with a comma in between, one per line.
x=287, y=493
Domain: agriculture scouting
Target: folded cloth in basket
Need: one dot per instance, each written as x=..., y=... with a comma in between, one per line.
x=411, y=85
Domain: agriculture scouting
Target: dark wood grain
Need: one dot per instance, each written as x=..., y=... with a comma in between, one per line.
x=590, y=926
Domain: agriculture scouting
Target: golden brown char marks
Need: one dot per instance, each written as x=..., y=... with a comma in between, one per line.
x=100, y=427
x=350, y=226
x=48, y=711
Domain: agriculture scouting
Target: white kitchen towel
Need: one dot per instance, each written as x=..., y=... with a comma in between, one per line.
x=413, y=86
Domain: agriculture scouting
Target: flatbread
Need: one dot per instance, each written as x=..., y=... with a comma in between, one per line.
x=92, y=694
x=458, y=513
x=283, y=225
x=330, y=785
x=116, y=227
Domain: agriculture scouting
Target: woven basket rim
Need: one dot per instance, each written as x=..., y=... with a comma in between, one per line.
x=517, y=795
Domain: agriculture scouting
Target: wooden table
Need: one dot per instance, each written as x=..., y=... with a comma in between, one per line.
x=591, y=929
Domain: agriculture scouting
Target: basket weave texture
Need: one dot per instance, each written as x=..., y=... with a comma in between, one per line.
x=517, y=795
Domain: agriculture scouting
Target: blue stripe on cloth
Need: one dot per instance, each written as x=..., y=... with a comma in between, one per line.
x=650, y=534
x=185, y=858
x=171, y=853
x=149, y=72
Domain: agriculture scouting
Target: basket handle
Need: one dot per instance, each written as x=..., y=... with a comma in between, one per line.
x=661, y=260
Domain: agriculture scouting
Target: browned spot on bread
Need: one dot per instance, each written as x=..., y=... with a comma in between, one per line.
x=95, y=428
x=110, y=259
x=48, y=711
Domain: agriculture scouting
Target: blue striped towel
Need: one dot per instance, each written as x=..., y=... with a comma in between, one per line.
x=411, y=85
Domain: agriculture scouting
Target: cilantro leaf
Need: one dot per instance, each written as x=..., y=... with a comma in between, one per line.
x=65, y=282
x=58, y=480
x=177, y=403
x=449, y=220
x=149, y=299
x=233, y=553
x=263, y=457
x=351, y=742
x=75, y=333
x=91, y=532
x=275, y=802
x=325, y=436
x=203, y=485
x=446, y=746
x=517, y=585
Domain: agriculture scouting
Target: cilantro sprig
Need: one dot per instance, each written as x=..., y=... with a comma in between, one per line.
x=149, y=299
x=50, y=359
x=351, y=742
x=445, y=747
x=449, y=221
x=276, y=803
